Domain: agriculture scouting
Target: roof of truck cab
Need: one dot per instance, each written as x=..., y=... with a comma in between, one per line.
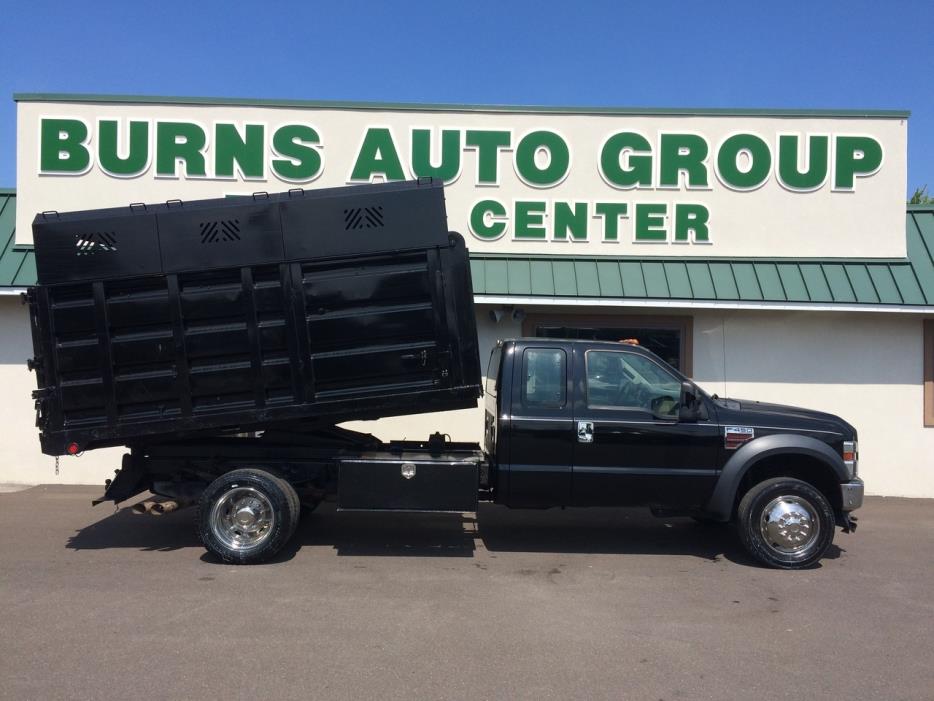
x=539, y=340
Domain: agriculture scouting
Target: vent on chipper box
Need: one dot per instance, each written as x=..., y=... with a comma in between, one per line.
x=95, y=242
x=363, y=218
x=218, y=231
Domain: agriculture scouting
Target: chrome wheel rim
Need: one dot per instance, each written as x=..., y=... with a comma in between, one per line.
x=789, y=525
x=243, y=518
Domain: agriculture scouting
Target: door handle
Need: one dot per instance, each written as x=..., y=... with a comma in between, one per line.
x=585, y=431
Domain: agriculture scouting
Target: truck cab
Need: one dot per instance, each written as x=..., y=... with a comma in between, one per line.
x=591, y=423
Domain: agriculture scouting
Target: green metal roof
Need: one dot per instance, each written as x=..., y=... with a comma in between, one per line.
x=864, y=282
x=435, y=107
x=17, y=263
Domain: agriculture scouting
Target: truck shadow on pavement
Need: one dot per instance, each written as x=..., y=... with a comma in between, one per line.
x=125, y=529
x=496, y=529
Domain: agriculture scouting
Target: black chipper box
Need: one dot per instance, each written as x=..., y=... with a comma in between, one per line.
x=174, y=319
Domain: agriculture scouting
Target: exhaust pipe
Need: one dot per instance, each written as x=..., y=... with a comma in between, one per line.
x=144, y=507
x=164, y=507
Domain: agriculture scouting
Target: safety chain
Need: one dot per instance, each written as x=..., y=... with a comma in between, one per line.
x=56, y=466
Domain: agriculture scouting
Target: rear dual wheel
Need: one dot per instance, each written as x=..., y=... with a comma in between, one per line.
x=246, y=516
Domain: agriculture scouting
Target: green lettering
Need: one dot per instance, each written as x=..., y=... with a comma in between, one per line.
x=611, y=213
x=650, y=222
x=177, y=141
x=759, y=162
x=62, y=146
x=247, y=150
x=559, y=158
x=488, y=145
x=450, y=165
x=377, y=156
x=816, y=173
x=691, y=220
x=679, y=153
x=637, y=171
x=571, y=220
x=483, y=210
x=855, y=156
x=108, y=155
x=300, y=161
x=530, y=220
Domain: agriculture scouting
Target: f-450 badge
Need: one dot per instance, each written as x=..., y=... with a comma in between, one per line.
x=735, y=436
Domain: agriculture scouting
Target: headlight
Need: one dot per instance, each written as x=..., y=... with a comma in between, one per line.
x=851, y=457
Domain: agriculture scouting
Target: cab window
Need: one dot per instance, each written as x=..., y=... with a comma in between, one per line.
x=544, y=373
x=627, y=380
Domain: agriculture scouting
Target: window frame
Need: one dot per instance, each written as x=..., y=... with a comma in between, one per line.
x=523, y=384
x=682, y=324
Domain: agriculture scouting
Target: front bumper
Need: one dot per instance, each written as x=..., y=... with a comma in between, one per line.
x=851, y=494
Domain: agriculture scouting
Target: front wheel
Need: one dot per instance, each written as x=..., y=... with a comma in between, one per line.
x=246, y=516
x=785, y=523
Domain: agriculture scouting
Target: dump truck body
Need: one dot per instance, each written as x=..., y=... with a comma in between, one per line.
x=171, y=320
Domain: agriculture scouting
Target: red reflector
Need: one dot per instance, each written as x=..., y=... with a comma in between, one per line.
x=73, y=449
x=849, y=456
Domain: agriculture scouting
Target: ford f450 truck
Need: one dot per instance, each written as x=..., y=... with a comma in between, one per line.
x=224, y=341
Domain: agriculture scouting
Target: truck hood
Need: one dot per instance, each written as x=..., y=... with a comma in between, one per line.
x=780, y=416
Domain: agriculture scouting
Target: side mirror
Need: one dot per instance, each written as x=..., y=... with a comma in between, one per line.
x=691, y=406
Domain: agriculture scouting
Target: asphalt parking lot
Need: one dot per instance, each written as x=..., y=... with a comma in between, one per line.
x=596, y=604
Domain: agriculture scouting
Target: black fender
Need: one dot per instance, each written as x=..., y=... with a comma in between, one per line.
x=720, y=505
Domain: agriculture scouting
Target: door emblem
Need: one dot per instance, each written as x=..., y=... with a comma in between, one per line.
x=408, y=470
x=585, y=431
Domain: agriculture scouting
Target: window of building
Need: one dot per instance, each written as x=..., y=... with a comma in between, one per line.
x=669, y=337
x=544, y=374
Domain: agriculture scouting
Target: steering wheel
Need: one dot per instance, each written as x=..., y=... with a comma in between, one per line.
x=630, y=394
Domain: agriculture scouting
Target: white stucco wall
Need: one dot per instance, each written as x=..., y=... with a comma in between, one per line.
x=21, y=461
x=866, y=367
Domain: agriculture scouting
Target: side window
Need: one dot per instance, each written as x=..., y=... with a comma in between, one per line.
x=619, y=379
x=544, y=378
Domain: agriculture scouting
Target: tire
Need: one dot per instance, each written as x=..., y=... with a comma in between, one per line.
x=266, y=516
x=785, y=523
x=295, y=506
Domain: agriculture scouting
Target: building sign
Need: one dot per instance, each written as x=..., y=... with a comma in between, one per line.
x=534, y=181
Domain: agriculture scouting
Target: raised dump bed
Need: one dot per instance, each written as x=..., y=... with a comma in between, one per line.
x=231, y=314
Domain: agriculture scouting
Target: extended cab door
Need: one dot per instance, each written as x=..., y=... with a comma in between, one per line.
x=541, y=426
x=630, y=447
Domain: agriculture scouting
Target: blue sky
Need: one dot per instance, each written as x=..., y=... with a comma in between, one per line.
x=850, y=54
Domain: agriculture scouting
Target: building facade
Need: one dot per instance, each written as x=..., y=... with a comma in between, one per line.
x=768, y=255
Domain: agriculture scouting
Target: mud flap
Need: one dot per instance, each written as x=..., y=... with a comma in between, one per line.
x=129, y=481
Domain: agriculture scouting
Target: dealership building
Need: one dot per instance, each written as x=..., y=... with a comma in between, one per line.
x=768, y=254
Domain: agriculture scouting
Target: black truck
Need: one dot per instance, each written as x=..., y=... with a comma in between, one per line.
x=224, y=341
